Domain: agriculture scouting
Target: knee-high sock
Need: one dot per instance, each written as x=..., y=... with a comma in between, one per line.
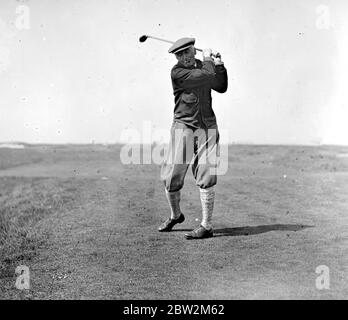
x=207, y=201
x=174, y=203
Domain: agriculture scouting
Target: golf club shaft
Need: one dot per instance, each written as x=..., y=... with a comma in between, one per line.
x=164, y=40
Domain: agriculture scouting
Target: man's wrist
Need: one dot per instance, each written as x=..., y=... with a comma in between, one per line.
x=208, y=59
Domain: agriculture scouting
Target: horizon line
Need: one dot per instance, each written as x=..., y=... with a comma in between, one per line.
x=156, y=143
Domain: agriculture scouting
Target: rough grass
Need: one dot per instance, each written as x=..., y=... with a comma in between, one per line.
x=23, y=203
x=16, y=157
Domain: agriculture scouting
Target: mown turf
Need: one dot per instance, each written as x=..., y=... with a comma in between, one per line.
x=88, y=225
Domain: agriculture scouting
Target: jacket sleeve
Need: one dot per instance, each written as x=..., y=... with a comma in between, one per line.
x=220, y=81
x=191, y=78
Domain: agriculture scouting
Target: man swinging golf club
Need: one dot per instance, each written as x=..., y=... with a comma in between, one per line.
x=194, y=132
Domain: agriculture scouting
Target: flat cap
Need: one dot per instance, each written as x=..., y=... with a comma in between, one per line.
x=181, y=44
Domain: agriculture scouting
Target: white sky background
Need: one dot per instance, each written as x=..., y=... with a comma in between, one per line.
x=79, y=73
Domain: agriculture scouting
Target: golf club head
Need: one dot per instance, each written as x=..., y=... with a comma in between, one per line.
x=143, y=38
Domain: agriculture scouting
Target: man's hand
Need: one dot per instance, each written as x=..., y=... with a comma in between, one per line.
x=207, y=53
x=216, y=54
x=217, y=58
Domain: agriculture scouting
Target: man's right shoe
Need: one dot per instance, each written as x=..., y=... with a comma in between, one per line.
x=199, y=233
x=170, y=223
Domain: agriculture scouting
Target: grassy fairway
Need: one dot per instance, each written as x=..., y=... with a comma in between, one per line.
x=86, y=226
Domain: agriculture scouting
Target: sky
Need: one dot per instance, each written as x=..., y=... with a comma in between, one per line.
x=75, y=71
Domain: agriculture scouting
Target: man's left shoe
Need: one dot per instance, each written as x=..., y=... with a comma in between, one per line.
x=199, y=233
x=170, y=223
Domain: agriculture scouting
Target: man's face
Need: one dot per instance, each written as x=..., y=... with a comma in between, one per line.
x=187, y=56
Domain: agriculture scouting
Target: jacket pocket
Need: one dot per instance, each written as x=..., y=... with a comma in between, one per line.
x=188, y=106
x=189, y=98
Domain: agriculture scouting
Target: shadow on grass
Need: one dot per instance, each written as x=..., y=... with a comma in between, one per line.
x=248, y=231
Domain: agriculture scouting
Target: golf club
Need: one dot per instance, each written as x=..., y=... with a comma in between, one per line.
x=144, y=37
